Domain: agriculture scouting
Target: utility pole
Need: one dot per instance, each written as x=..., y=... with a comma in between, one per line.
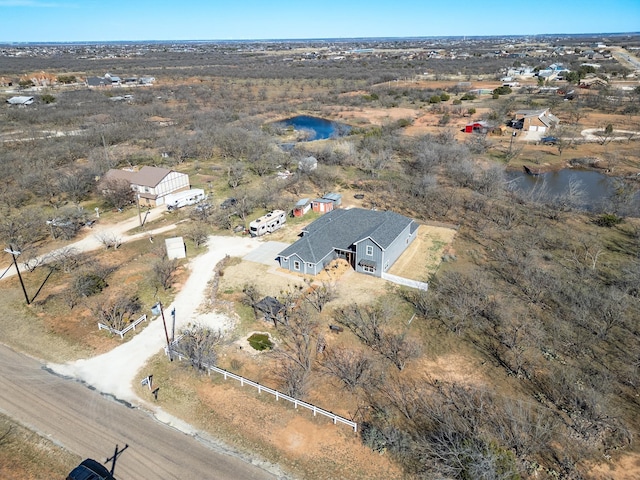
x=14, y=253
x=138, y=205
x=158, y=308
x=173, y=324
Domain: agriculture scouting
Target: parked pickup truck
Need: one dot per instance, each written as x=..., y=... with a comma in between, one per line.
x=548, y=140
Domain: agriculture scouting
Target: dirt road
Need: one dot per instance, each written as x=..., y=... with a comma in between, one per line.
x=91, y=425
x=93, y=241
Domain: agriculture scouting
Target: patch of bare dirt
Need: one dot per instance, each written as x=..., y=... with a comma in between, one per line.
x=627, y=467
x=377, y=116
x=423, y=256
x=310, y=446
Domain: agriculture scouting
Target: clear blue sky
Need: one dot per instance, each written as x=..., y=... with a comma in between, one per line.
x=109, y=20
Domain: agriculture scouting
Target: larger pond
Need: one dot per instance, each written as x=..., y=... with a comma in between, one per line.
x=314, y=128
x=585, y=189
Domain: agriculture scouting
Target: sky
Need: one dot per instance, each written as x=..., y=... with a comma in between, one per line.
x=134, y=20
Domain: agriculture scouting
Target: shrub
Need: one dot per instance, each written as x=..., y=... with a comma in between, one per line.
x=404, y=122
x=504, y=90
x=67, y=79
x=444, y=97
x=608, y=220
x=435, y=99
x=47, y=98
x=88, y=284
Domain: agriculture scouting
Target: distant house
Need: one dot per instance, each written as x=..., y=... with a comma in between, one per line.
x=302, y=206
x=535, y=120
x=308, y=164
x=477, y=127
x=370, y=241
x=21, y=101
x=96, y=82
x=115, y=80
x=152, y=184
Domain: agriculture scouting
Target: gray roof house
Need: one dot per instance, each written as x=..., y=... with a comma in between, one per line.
x=97, y=82
x=371, y=241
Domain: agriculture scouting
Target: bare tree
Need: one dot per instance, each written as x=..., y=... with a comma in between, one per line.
x=66, y=259
x=298, y=339
x=198, y=232
x=352, y=367
x=604, y=134
x=23, y=230
x=77, y=185
x=109, y=239
x=366, y=322
x=163, y=270
x=319, y=295
x=586, y=252
x=399, y=349
x=235, y=175
x=116, y=192
x=199, y=344
x=251, y=295
x=294, y=380
x=117, y=310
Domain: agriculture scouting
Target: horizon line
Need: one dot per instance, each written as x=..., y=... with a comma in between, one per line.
x=315, y=39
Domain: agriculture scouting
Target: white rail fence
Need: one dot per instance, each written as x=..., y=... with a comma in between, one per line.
x=102, y=326
x=406, y=281
x=261, y=388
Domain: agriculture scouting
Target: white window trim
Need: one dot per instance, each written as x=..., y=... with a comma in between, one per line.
x=296, y=265
x=369, y=250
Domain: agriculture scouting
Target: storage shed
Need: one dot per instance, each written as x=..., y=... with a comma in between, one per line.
x=335, y=198
x=302, y=206
x=476, y=127
x=322, y=205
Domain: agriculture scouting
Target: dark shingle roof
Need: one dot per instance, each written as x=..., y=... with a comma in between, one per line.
x=340, y=229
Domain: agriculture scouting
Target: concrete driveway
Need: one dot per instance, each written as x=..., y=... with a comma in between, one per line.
x=266, y=253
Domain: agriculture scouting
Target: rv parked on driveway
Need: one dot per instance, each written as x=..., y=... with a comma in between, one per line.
x=182, y=199
x=268, y=223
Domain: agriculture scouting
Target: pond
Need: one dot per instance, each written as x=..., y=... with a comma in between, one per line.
x=315, y=128
x=585, y=189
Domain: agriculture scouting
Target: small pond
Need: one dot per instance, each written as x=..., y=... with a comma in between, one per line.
x=586, y=189
x=260, y=341
x=315, y=128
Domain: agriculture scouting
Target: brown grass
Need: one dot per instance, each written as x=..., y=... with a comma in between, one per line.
x=25, y=455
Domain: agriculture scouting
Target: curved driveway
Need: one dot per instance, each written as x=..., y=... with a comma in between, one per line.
x=90, y=422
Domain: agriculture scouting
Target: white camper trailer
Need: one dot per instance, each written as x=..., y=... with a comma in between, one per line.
x=182, y=199
x=268, y=223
